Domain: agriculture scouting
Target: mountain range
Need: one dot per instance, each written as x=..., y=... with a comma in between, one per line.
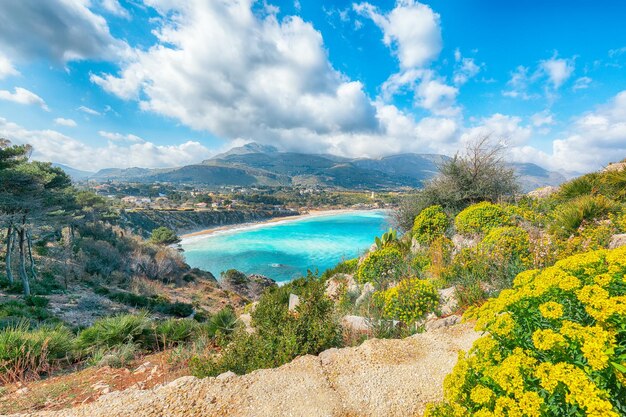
x=255, y=164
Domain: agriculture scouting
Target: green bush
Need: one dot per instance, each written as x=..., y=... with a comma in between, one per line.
x=36, y=301
x=280, y=335
x=581, y=186
x=14, y=311
x=164, y=236
x=177, y=309
x=117, y=357
x=25, y=353
x=431, y=223
x=568, y=217
x=381, y=266
x=408, y=301
x=223, y=323
x=115, y=331
x=172, y=332
x=345, y=267
x=480, y=218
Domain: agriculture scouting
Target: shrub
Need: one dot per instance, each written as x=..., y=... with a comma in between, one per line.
x=224, y=322
x=480, y=218
x=117, y=357
x=25, y=353
x=174, y=331
x=177, y=309
x=164, y=236
x=408, y=301
x=345, y=267
x=380, y=266
x=503, y=244
x=582, y=186
x=115, y=331
x=555, y=344
x=280, y=335
x=568, y=217
x=430, y=224
x=36, y=301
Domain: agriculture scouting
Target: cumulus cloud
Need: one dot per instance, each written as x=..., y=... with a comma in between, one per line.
x=558, y=70
x=220, y=67
x=500, y=127
x=411, y=28
x=518, y=84
x=50, y=145
x=6, y=68
x=23, y=96
x=64, y=122
x=115, y=8
x=61, y=30
x=465, y=68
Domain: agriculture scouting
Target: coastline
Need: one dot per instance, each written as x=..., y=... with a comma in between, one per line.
x=282, y=219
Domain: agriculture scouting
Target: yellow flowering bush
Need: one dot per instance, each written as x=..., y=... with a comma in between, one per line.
x=408, y=301
x=431, y=223
x=480, y=218
x=553, y=345
x=505, y=243
x=380, y=266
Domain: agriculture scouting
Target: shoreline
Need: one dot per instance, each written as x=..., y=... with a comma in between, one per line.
x=310, y=213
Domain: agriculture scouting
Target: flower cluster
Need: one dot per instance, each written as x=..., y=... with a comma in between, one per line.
x=480, y=218
x=408, y=301
x=380, y=266
x=431, y=223
x=554, y=344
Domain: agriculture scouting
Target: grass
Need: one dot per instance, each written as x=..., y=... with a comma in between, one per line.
x=571, y=215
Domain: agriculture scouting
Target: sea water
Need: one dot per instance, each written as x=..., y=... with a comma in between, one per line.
x=287, y=249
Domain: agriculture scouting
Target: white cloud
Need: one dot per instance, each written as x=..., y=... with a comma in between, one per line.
x=411, y=28
x=558, y=70
x=115, y=8
x=544, y=118
x=65, y=122
x=62, y=30
x=500, y=127
x=23, y=96
x=6, y=68
x=50, y=145
x=89, y=110
x=518, y=84
x=438, y=97
x=582, y=83
x=120, y=137
x=465, y=69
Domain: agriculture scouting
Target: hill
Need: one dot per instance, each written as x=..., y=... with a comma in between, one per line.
x=255, y=164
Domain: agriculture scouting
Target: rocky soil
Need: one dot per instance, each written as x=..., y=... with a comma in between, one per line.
x=379, y=377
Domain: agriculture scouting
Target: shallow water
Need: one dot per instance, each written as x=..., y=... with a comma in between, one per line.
x=285, y=250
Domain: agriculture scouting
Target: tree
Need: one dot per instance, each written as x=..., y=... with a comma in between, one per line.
x=164, y=236
x=29, y=192
x=478, y=174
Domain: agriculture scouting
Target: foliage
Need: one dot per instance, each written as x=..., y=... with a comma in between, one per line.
x=344, y=267
x=388, y=238
x=431, y=223
x=234, y=276
x=155, y=303
x=555, y=345
x=14, y=312
x=164, y=236
x=568, y=217
x=280, y=335
x=224, y=322
x=408, y=301
x=586, y=185
x=480, y=218
x=25, y=353
x=380, y=266
x=172, y=332
x=113, y=331
x=502, y=244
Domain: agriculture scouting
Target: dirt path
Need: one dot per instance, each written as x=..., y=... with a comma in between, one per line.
x=380, y=377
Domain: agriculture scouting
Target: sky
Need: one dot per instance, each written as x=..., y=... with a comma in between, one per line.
x=156, y=83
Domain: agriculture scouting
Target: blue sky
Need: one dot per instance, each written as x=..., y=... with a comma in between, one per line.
x=153, y=83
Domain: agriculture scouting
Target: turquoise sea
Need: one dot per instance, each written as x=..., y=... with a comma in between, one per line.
x=285, y=250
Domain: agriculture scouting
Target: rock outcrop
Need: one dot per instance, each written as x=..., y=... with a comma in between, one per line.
x=247, y=286
x=377, y=378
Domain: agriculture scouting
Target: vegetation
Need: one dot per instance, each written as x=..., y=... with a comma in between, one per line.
x=480, y=218
x=380, y=267
x=431, y=223
x=164, y=236
x=555, y=345
x=409, y=301
x=280, y=334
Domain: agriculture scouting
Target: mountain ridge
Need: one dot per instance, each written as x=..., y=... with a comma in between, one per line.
x=257, y=164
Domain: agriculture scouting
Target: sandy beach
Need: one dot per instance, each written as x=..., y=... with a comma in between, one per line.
x=310, y=213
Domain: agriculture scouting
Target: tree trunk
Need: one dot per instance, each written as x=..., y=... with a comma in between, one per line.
x=10, y=233
x=22, y=267
x=29, y=240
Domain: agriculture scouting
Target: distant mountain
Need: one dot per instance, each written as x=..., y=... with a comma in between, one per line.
x=75, y=174
x=255, y=164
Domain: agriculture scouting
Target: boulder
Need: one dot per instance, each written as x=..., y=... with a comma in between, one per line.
x=447, y=301
x=462, y=242
x=335, y=285
x=617, y=241
x=356, y=324
x=543, y=192
x=248, y=286
x=367, y=290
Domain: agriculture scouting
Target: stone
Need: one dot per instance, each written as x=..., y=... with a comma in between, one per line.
x=447, y=301
x=442, y=322
x=335, y=285
x=356, y=323
x=617, y=241
x=367, y=290
x=225, y=375
x=543, y=192
x=294, y=301
x=247, y=286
